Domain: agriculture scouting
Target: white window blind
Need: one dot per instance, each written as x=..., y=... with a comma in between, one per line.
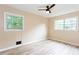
x=66, y=24
x=59, y=25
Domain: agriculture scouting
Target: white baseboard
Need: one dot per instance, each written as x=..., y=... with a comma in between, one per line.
x=15, y=46
x=66, y=42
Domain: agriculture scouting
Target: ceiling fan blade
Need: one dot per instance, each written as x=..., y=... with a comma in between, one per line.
x=41, y=9
x=52, y=6
x=49, y=11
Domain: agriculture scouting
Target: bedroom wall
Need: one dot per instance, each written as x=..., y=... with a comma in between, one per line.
x=35, y=28
x=71, y=37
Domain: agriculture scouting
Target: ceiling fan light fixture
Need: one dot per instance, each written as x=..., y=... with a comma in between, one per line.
x=47, y=12
x=48, y=8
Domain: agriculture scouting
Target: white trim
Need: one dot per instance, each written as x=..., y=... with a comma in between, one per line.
x=5, y=29
x=1, y=50
x=15, y=46
x=71, y=43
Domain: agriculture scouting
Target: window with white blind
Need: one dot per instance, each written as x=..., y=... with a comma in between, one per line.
x=66, y=24
x=59, y=25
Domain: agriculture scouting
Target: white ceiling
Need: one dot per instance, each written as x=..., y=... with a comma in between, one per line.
x=59, y=9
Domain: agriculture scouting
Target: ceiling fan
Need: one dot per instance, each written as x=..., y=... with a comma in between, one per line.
x=48, y=7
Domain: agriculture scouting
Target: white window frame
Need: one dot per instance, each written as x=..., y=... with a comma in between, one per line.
x=76, y=28
x=5, y=27
x=58, y=25
x=64, y=29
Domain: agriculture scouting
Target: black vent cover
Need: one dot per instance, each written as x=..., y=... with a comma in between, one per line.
x=18, y=42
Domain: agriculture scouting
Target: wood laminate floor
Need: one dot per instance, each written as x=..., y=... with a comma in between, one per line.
x=46, y=47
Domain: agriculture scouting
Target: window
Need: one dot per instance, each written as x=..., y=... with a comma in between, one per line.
x=71, y=24
x=13, y=22
x=67, y=24
x=59, y=25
